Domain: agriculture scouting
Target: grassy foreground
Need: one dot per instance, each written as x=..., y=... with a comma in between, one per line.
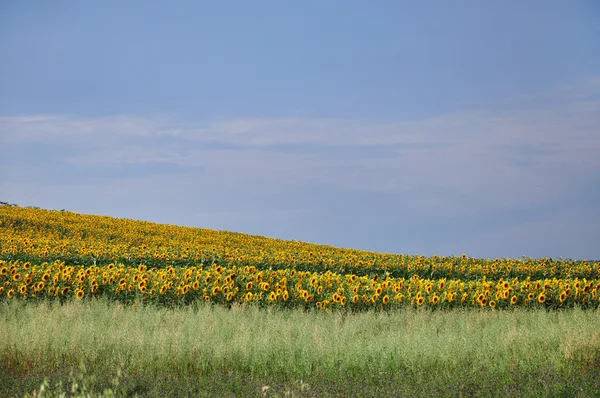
x=209, y=350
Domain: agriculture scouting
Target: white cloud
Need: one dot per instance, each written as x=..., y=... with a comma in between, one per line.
x=503, y=159
x=39, y=128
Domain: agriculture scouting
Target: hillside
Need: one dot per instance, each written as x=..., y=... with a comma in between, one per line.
x=88, y=255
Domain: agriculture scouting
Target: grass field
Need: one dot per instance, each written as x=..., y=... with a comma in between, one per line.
x=99, y=306
x=209, y=350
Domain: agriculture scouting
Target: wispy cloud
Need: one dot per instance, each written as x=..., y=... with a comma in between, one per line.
x=505, y=158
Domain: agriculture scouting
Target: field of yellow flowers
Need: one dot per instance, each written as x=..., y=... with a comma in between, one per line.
x=159, y=310
x=60, y=255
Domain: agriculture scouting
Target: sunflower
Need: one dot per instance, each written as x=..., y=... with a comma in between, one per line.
x=355, y=299
x=492, y=304
x=563, y=297
x=215, y=290
x=435, y=299
x=285, y=295
x=464, y=297
x=541, y=298
x=10, y=293
x=248, y=296
x=65, y=291
x=16, y=276
x=530, y=296
x=343, y=300
x=386, y=299
x=272, y=296
x=441, y=285
x=320, y=289
x=249, y=285
x=587, y=288
x=79, y=294
x=420, y=300
x=513, y=300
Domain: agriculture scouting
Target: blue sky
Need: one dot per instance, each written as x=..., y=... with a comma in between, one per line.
x=426, y=127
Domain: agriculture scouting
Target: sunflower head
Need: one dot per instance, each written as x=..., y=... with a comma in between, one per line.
x=542, y=298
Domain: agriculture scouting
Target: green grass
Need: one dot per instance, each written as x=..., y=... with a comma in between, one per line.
x=214, y=351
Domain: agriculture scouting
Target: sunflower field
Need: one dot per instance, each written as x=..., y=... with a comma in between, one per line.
x=100, y=306
x=60, y=255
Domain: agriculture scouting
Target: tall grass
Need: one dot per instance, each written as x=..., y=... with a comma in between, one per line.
x=218, y=351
